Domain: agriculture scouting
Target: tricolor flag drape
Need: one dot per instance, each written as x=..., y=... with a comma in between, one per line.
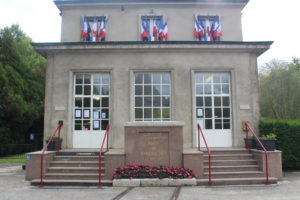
x=216, y=30
x=207, y=30
x=93, y=31
x=144, y=30
x=198, y=29
x=163, y=33
x=155, y=30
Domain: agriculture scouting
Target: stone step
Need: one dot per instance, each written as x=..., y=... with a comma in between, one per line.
x=229, y=156
x=229, y=151
x=73, y=176
x=237, y=174
x=74, y=169
x=77, y=158
x=231, y=162
x=66, y=163
x=232, y=168
x=75, y=153
x=237, y=181
x=67, y=182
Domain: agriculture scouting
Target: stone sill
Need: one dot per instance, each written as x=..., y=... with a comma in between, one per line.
x=154, y=182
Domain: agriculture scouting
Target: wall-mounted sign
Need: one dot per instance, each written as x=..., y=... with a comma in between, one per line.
x=96, y=124
x=86, y=113
x=60, y=108
x=77, y=113
x=244, y=107
x=199, y=112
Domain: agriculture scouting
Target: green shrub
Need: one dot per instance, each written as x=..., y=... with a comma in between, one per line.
x=288, y=139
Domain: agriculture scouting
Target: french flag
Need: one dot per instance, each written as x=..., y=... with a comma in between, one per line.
x=84, y=28
x=154, y=30
x=95, y=30
x=198, y=29
x=161, y=33
x=144, y=30
x=102, y=31
x=166, y=33
x=208, y=36
x=217, y=30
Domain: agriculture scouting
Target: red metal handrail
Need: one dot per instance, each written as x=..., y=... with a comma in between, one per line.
x=247, y=128
x=208, y=151
x=60, y=124
x=106, y=136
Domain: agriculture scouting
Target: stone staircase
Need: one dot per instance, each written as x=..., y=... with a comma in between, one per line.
x=233, y=167
x=73, y=168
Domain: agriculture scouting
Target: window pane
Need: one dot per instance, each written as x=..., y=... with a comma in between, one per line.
x=156, y=113
x=207, y=78
x=217, y=101
x=147, y=101
x=96, y=124
x=225, y=78
x=217, y=79
x=139, y=113
x=87, y=90
x=148, y=89
x=96, y=89
x=105, y=90
x=225, y=101
x=165, y=90
x=96, y=101
x=226, y=124
x=218, y=124
x=225, y=89
x=87, y=79
x=166, y=101
x=78, y=90
x=78, y=125
x=104, y=124
x=217, y=89
x=207, y=88
x=104, y=114
x=199, y=78
x=79, y=79
x=208, y=124
x=105, y=79
x=199, y=101
x=86, y=125
x=96, y=114
x=207, y=101
x=96, y=79
x=165, y=79
x=199, y=89
x=147, y=113
x=105, y=102
x=87, y=102
x=138, y=90
x=156, y=90
x=226, y=112
x=138, y=78
x=147, y=79
x=208, y=112
x=156, y=101
x=166, y=113
x=156, y=79
x=138, y=101
x=218, y=113
x=78, y=102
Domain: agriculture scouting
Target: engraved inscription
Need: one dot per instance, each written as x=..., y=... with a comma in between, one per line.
x=154, y=148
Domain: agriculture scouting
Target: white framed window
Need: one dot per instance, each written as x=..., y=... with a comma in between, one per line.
x=213, y=107
x=91, y=101
x=152, y=96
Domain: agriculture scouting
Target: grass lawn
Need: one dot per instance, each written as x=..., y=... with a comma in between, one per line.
x=18, y=158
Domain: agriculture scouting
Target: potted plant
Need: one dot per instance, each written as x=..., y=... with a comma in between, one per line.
x=268, y=140
x=251, y=142
x=53, y=146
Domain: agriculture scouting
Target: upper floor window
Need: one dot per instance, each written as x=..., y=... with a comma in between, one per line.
x=93, y=29
x=207, y=28
x=154, y=28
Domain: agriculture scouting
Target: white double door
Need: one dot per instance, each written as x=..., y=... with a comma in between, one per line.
x=213, y=109
x=90, y=109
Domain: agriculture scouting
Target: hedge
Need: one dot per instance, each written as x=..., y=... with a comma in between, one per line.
x=288, y=139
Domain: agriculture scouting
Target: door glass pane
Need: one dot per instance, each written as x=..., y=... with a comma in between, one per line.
x=105, y=79
x=207, y=101
x=78, y=90
x=199, y=101
x=78, y=102
x=96, y=101
x=87, y=90
x=138, y=90
x=199, y=89
x=96, y=89
x=217, y=89
x=105, y=90
x=87, y=79
x=87, y=102
x=208, y=124
x=105, y=102
x=217, y=101
x=96, y=79
x=207, y=89
x=79, y=79
x=156, y=79
x=147, y=79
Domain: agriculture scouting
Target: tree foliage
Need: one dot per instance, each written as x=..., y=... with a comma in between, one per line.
x=280, y=90
x=22, y=75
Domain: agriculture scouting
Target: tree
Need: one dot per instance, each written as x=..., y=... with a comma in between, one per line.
x=280, y=89
x=22, y=75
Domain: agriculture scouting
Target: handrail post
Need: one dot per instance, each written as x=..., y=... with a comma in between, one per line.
x=60, y=124
x=100, y=154
x=247, y=139
x=198, y=125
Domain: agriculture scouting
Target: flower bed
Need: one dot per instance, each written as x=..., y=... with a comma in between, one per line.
x=146, y=171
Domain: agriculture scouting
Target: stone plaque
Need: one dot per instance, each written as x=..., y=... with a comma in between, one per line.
x=153, y=148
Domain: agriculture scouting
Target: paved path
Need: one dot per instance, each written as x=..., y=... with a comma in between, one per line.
x=14, y=187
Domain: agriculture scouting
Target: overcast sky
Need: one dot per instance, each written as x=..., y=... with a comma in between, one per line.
x=262, y=20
